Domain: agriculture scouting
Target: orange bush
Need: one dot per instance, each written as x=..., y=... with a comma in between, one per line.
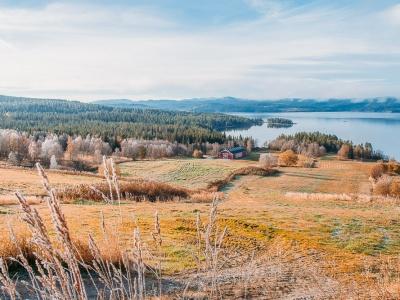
x=288, y=158
x=344, y=151
x=393, y=167
x=306, y=162
x=395, y=188
x=197, y=154
x=136, y=190
x=377, y=171
x=383, y=185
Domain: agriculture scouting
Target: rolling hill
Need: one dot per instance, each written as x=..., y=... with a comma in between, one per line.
x=231, y=104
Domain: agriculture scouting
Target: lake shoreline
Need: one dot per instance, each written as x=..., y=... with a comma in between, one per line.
x=380, y=129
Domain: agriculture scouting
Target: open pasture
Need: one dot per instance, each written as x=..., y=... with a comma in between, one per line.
x=27, y=181
x=190, y=173
x=352, y=245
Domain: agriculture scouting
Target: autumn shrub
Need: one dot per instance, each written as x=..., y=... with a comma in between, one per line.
x=395, y=188
x=288, y=158
x=344, y=151
x=393, y=167
x=137, y=190
x=383, y=185
x=197, y=154
x=305, y=161
x=377, y=171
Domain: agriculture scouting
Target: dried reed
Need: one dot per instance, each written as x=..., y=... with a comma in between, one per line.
x=59, y=266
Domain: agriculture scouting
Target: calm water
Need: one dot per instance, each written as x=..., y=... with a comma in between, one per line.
x=380, y=129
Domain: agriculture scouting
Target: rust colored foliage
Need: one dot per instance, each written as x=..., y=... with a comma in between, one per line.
x=377, y=171
x=288, y=158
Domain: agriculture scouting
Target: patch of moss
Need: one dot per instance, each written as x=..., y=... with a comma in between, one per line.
x=85, y=202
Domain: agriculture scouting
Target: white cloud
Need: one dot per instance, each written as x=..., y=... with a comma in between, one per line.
x=393, y=14
x=271, y=8
x=61, y=17
x=88, y=52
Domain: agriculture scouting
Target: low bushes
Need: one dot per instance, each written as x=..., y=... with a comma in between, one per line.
x=377, y=171
x=393, y=167
x=268, y=160
x=288, y=158
x=387, y=186
x=305, y=161
x=138, y=191
x=385, y=179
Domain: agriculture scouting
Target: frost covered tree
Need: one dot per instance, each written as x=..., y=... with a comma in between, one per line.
x=33, y=150
x=51, y=147
x=53, y=162
x=268, y=160
x=98, y=158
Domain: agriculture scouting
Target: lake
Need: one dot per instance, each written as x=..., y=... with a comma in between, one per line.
x=382, y=130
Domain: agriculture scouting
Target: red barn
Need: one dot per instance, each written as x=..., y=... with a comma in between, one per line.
x=233, y=153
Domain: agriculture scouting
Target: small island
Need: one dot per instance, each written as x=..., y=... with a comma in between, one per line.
x=279, y=123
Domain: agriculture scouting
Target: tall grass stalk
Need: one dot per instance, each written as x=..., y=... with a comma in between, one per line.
x=64, y=269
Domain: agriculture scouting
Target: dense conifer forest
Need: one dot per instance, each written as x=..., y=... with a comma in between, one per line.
x=113, y=124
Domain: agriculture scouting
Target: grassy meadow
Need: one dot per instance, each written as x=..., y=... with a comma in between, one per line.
x=190, y=173
x=318, y=246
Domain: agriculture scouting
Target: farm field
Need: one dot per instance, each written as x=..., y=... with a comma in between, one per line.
x=303, y=246
x=191, y=173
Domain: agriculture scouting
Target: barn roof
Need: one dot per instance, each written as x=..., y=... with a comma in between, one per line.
x=235, y=150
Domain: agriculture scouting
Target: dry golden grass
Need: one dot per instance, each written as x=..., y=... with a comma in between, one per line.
x=26, y=181
x=10, y=199
x=205, y=196
x=352, y=244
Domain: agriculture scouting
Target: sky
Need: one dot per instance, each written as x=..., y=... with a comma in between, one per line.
x=176, y=49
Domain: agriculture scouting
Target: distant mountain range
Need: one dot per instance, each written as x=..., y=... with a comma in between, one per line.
x=233, y=105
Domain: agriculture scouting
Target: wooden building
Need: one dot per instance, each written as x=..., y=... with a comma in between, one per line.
x=232, y=153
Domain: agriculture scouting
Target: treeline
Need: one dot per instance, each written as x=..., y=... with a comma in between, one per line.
x=316, y=144
x=113, y=124
x=51, y=149
x=311, y=144
x=21, y=148
x=279, y=123
x=77, y=152
x=361, y=151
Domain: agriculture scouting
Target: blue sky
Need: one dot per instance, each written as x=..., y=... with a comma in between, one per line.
x=261, y=49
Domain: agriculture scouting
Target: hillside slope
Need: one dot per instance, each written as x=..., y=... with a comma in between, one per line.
x=231, y=104
x=73, y=117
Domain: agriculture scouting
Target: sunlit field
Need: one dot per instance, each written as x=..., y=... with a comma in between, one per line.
x=191, y=173
x=318, y=244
